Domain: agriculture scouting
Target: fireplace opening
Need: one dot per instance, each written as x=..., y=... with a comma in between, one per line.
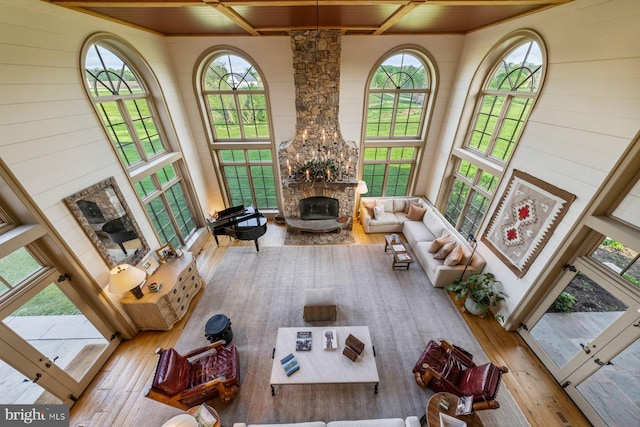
x=318, y=207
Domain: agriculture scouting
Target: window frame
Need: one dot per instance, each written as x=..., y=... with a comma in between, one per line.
x=217, y=145
x=392, y=141
x=483, y=160
x=149, y=164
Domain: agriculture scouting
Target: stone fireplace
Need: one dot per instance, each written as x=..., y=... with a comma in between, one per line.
x=317, y=162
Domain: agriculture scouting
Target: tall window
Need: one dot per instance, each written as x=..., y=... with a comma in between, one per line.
x=128, y=112
x=398, y=99
x=236, y=104
x=501, y=113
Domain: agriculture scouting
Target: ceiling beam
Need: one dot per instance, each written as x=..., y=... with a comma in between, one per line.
x=233, y=16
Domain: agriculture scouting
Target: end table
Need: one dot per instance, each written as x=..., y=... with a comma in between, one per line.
x=434, y=410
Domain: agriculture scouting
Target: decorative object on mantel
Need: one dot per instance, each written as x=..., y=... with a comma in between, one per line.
x=125, y=277
x=528, y=213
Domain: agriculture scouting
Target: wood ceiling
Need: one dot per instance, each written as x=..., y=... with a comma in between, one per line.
x=279, y=17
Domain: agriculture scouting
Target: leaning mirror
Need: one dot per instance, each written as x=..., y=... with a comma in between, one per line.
x=107, y=220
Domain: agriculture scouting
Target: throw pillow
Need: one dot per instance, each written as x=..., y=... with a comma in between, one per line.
x=370, y=204
x=445, y=250
x=378, y=211
x=438, y=243
x=416, y=212
x=454, y=257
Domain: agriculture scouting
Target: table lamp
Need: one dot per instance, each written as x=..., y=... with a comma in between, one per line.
x=125, y=277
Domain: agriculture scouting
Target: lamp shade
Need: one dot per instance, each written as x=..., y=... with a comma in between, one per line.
x=362, y=188
x=125, y=277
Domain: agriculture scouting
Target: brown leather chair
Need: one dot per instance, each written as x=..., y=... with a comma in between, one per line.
x=183, y=383
x=445, y=367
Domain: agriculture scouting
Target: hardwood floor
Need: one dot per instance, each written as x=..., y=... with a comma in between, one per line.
x=116, y=395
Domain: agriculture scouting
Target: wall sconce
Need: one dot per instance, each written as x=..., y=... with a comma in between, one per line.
x=125, y=277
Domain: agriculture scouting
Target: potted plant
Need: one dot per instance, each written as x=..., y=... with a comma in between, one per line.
x=481, y=293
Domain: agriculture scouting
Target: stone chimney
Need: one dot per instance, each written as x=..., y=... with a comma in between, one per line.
x=316, y=64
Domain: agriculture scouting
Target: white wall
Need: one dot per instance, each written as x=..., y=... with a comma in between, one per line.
x=586, y=116
x=51, y=138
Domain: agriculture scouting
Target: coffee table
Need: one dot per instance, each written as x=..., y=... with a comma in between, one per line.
x=434, y=410
x=320, y=366
x=401, y=257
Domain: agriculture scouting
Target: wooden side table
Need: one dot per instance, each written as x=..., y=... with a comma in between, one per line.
x=161, y=310
x=203, y=418
x=434, y=410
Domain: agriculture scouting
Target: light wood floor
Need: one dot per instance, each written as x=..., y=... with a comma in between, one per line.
x=115, y=397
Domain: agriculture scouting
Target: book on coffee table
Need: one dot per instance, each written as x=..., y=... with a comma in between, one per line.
x=290, y=364
x=399, y=248
x=303, y=341
x=329, y=339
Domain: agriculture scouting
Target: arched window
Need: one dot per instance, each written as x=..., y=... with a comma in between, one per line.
x=398, y=99
x=503, y=107
x=131, y=118
x=235, y=100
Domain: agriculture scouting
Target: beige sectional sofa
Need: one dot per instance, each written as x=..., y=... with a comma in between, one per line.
x=381, y=422
x=421, y=234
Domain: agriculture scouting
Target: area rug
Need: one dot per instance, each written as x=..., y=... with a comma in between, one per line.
x=262, y=291
x=345, y=237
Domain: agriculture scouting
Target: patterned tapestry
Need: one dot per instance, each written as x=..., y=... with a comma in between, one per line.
x=528, y=212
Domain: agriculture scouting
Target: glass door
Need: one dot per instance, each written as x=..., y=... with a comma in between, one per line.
x=587, y=333
x=51, y=343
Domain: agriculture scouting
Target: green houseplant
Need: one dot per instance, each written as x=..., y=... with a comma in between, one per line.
x=481, y=293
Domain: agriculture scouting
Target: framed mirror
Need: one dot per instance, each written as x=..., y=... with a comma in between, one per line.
x=105, y=217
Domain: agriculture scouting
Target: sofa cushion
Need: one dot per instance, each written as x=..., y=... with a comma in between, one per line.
x=417, y=232
x=387, y=203
x=370, y=204
x=454, y=257
x=437, y=244
x=378, y=211
x=400, y=205
x=433, y=223
x=445, y=250
x=389, y=218
x=381, y=422
x=415, y=212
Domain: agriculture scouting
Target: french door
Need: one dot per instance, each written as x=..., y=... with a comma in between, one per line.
x=51, y=343
x=587, y=333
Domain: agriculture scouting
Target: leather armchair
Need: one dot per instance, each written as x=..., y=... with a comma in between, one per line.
x=184, y=381
x=445, y=367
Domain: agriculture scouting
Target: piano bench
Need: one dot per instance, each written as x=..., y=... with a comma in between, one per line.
x=320, y=304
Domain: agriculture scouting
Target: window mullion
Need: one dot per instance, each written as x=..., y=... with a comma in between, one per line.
x=124, y=111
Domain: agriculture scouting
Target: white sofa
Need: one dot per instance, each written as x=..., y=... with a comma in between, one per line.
x=395, y=213
x=381, y=422
x=420, y=236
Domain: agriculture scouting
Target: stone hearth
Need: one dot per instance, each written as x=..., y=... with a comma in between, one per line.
x=316, y=63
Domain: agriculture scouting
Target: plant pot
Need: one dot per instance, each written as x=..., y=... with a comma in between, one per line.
x=473, y=307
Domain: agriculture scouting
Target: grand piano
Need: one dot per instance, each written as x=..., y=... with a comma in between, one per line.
x=240, y=223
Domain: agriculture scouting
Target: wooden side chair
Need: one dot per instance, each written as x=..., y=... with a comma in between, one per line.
x=445, y=367
x=185, y=381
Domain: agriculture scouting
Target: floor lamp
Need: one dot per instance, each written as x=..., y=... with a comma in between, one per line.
x=360, y=190
x=474, y=244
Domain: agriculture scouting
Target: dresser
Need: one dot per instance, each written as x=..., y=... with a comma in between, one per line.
x=161, y=310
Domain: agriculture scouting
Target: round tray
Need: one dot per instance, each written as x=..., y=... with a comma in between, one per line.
x=343, y=219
